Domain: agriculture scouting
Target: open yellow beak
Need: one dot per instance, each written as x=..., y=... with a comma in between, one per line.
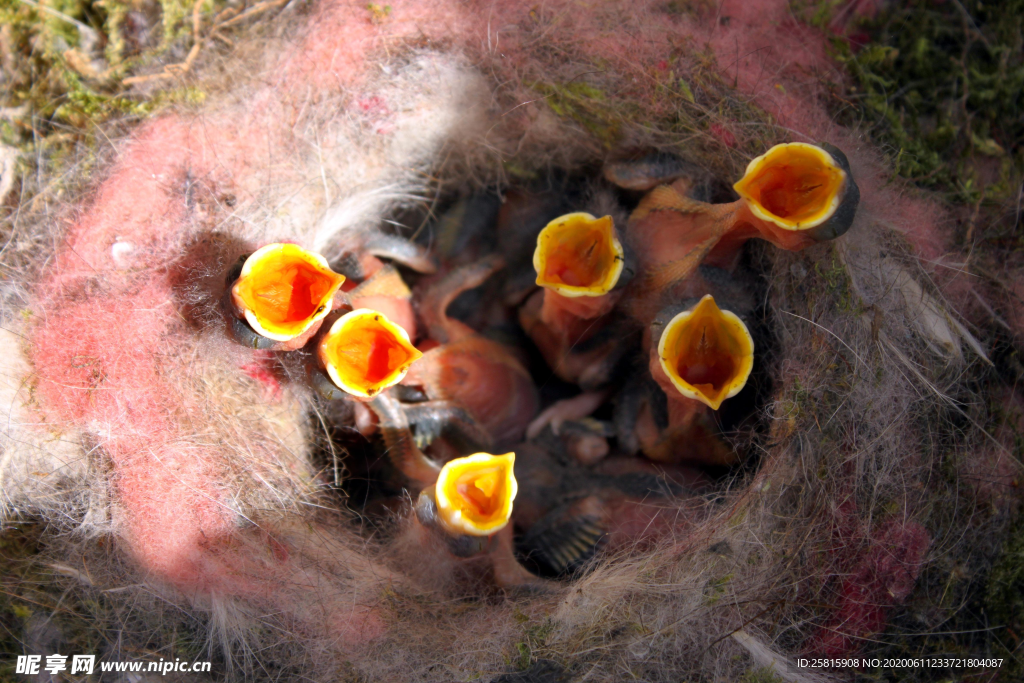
x=364, y=352
x=283, y=290
x=578, y=255
x=795, y=186
x=708, y=353
x=474, y=494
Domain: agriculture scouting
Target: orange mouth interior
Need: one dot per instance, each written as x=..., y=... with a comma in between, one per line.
x=578, y=253
x=480, y=494
x=797, y=185
x=285, y=290
x=367, y=355
x=579, y=260
x=702, y=362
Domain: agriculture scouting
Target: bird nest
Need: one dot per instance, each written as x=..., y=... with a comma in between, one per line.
x=252, y=520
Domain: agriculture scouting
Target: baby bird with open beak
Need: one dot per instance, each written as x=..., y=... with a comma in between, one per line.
x=279, y=295
x=698, y=356
x=794, y=195
x=469, y=508
x=579, y=262
x=465, y=504
x=362, y=354
x=705, y=354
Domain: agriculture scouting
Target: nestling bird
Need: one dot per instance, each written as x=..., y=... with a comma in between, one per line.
x=464, y=367
x=279, y=295
x=794, y=195
x=579, y=262
x=695, y=356
x=567, y=512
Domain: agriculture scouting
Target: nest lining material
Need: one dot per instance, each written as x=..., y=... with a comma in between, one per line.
x=148, y=403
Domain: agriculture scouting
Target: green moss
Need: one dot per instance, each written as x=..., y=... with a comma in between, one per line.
x=1004, y=603
x=67, y=86
x=525, y=656
x=715, y=588
x=762, y=674
x=533, y=638
x=690, y=7
x=801, y=399
x=378, y=13
x=175, y=15
x=941, y=96
x=519, y=172
x=836, y=282
x=583, y=103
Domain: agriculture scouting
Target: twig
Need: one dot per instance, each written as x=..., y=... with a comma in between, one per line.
x=255, y=9
x=228, y=17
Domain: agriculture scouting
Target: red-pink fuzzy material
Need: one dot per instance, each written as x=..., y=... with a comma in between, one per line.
x=107, y=354
x=878, y=568
x=264, y=369
x=106, y=341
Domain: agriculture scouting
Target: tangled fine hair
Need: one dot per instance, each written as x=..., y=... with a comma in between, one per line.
x=189, y=497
